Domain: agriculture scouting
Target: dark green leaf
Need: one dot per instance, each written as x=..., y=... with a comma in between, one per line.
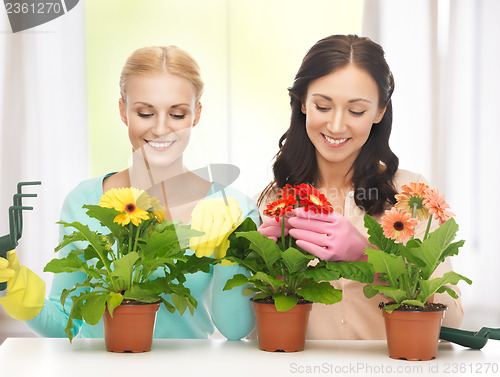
x=433, y=248
x=266, y=279
x=323, y=293
x=391, y=265
x=321, y=274
x=294, y=260
x=358, y=271
x=265, y=247
x=369, y=291
x=378, y=239
x=106, y=217
x=429, y=287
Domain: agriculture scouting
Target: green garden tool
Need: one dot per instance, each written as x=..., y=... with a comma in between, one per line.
x=9, y=241
x=472, y=339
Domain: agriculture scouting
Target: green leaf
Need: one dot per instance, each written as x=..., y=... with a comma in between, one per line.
x=323, y=293
x=358, y=271
x=94, y=307
x=266, y=279
x=114, y=300
x=396, y=294
x=411, y=252
x=284, y=303
x=168, y=305
x=433, y=248
x=71, y=263
x=321, y=274
x=92, y=237
x=182, y=299
x=236, y=281
x=180, y=302
x=144, y=292
x=390, y=308
x=377, y=238
x=294, y=260
x=124, y=267
x=247, y=225
x=452, y=249
x=106, y=216
x=68, y=239
x=448, y=290
x=429, y=287
x=392, y=266
x=261, y=295
x=250, y=290
x=265, y=247
x=413, y=302
x=369, y=291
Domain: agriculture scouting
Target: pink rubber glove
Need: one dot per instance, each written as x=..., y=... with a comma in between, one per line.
x=328, y=236
x=272, y=228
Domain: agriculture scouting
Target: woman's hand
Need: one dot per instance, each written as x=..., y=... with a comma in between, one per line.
x=328, y=236
x=271, y=228
x=217, y=218
x=26, y=290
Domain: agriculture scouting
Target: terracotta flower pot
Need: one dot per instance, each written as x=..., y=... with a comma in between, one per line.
x=131, y=328
x=281, y=331
x=413, y=335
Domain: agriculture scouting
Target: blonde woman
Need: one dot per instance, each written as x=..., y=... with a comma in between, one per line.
x=160, y=103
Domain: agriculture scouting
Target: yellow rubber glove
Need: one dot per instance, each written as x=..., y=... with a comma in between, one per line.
x=218, y=218
x=26, y=290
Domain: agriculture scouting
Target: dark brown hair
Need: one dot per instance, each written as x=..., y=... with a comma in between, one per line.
x=376, y=164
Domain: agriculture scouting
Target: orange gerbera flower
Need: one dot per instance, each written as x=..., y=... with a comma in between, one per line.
x=398, y=225
x=411, y=198
x=437, y=206
x=311, y=199
x=280, y=207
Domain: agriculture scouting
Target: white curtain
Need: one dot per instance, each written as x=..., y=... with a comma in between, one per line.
x=444, y=55
x=43, y=129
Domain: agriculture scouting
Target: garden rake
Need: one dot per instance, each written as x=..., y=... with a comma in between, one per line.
x=10, y=241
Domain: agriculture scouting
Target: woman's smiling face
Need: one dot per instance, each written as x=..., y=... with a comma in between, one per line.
x=340, y=110
x=159, y=111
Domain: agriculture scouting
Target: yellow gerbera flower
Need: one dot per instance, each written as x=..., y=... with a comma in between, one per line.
x=131, y=202
x=158, y=209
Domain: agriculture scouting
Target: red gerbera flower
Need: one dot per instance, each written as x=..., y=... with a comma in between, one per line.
x=280, y=207
x=312, y=199
x=286, y=191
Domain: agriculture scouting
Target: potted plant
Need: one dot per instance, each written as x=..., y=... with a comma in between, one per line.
x=285, y=279
x=405, y=265
x=121, y=267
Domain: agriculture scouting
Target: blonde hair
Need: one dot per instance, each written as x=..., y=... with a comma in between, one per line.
x=159, y=59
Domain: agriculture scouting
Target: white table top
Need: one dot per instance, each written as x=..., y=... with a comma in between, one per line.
x=20, y=357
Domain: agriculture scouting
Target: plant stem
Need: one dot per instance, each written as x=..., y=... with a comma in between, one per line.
x=428, y=227
x=136, y=237
x=130, y=237
x=283, y=231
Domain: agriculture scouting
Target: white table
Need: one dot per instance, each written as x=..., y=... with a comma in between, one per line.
x=39, y=357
